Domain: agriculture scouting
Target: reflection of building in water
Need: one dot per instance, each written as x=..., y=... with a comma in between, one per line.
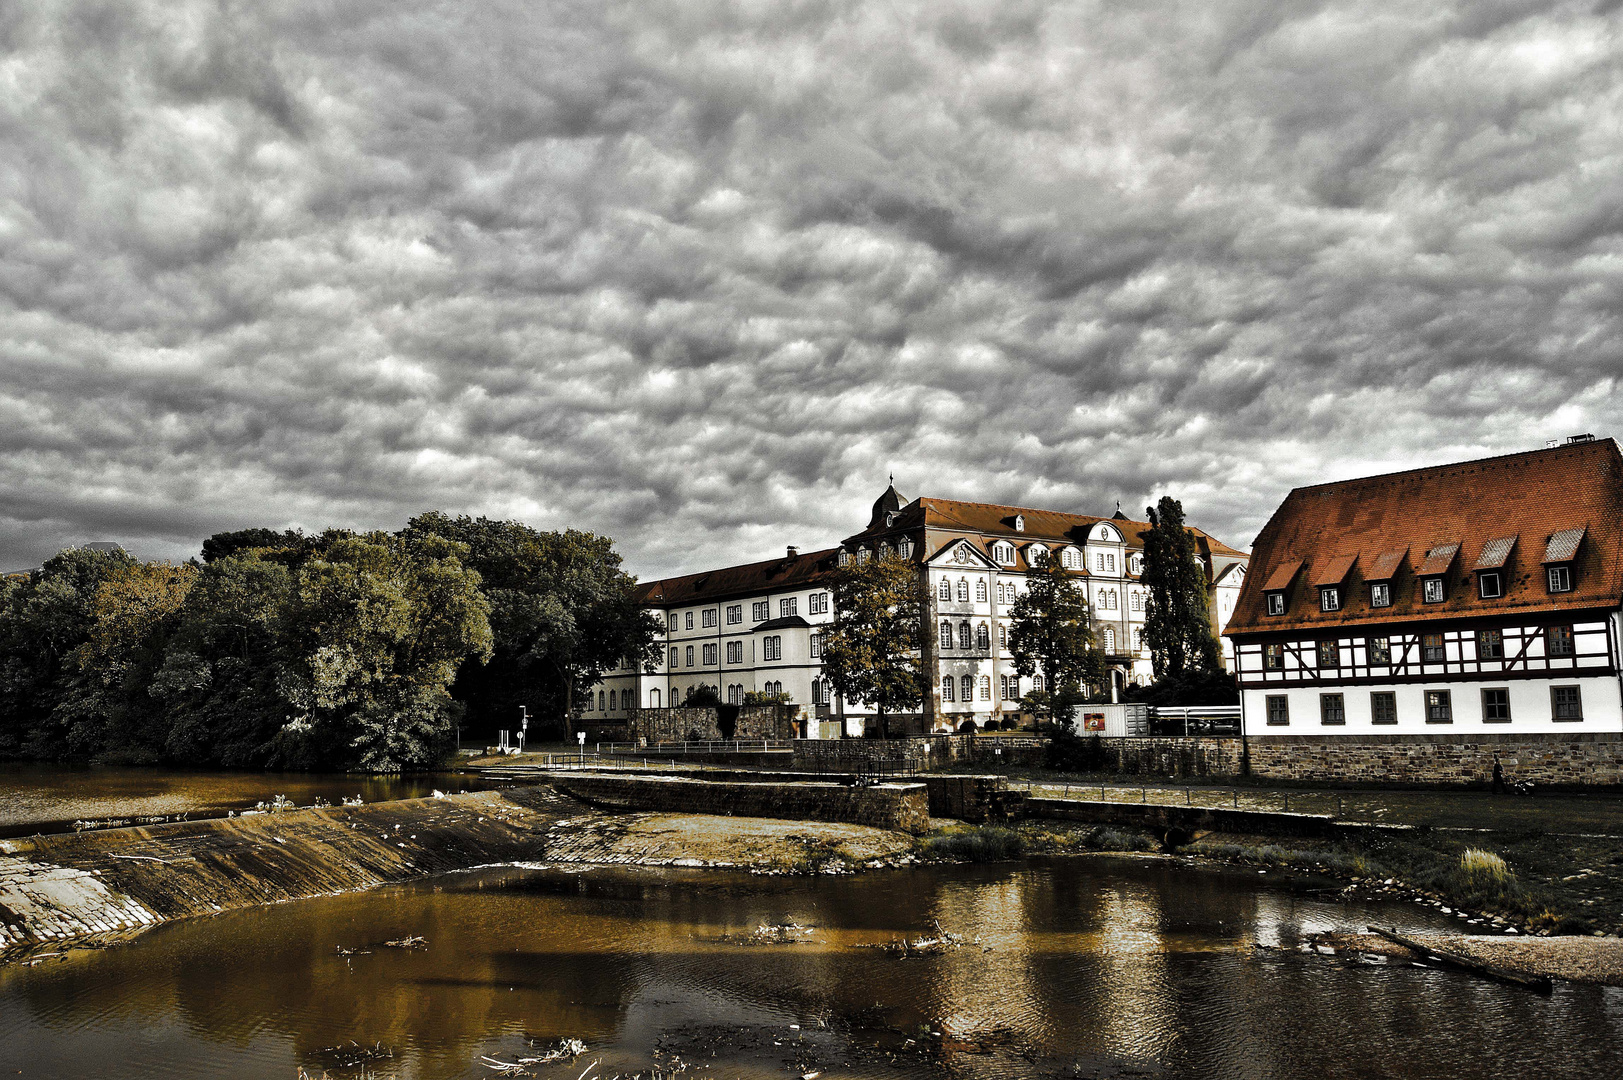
x=1139, y=1014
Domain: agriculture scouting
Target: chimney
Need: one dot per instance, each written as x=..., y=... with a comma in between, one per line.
x=793, y=551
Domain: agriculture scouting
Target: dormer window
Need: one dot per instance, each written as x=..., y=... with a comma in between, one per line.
x=1019, y=523
x=1431, y=590
x=845, y=557
x=1003, y=553
x=1330, y=598
x=904, y=548
x=1490, y=584
x=1380, y=595
x=1559, y=577
x=1276, y=603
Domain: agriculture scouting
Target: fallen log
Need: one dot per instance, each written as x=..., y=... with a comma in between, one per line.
x=1537, y=983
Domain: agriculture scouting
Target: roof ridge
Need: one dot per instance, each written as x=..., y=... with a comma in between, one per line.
x=1562, y=448
x=739, y=566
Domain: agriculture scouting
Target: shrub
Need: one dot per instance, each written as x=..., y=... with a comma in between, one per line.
x=967, y=727
x=1476, y=863
x=987, y=843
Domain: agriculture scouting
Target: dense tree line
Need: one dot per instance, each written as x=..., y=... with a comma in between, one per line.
x=342, y=650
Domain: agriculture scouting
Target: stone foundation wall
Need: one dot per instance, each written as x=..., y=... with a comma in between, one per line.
x=1569, y=761
x=693, y=724
x=904, y=807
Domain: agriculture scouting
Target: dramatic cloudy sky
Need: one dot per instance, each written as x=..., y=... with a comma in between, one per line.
x=698, y=275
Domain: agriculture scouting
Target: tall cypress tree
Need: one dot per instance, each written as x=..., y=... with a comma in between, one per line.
x=1177, y=624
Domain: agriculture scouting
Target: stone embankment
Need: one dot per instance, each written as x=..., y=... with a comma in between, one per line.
x=903, y=807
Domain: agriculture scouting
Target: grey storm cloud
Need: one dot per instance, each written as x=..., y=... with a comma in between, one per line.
x=699, y=275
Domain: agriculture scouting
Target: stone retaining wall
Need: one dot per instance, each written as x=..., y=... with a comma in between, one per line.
x=682, y=724
x=884, y=806
x=1189, y=820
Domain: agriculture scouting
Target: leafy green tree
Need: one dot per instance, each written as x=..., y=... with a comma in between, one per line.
x=562, y=614
x=42, y=621
x=220, y=672
x=223, y=544
x=1050, y=630
x=107, y=709
x=873, y=650
x=700, y=696
x=1177, y=623
x=377, y=628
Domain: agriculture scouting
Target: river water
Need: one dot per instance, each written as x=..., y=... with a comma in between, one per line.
x=48, y=798
x=1068, y=967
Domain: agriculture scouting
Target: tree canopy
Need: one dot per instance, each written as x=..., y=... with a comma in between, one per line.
x=1051, y=631
x=873, y=650
x=1177, y=622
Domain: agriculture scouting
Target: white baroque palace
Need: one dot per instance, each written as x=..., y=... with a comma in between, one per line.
x=758, y=627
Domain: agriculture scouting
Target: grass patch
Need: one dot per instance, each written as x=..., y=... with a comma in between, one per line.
x=976, y=844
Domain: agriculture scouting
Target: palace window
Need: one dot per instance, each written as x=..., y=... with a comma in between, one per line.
x=845, y=557
x=1332, y=709
x=1135, y=564
x=964, y=637
x=1379, y=649
x=1431, y=590
x=735, y=614
x=1432, y=649
x=1496, y=705
x=980, y=590
x=673, y=656
x=1558, y=641
x=687, y=617
x=1566, y=703
x=709, y=619
x=1105, y=561
x=787, y=607
x=819, y=603
x=1380, y=595
x=735, y=652
x=817, y=645
x=963, y=591
x=944, y=591
x=1329, y=654
x=946, y=635
x=1003, y=637
x=986, y=688
x=1273, y=657
x=673, y=622
x=690, y=656
x=1138, y=600
x=904, y=548
x=948, y=686
x=1330, y=598
x=1560, y=578
x=709, y=654
x=772, y=647
x=761, y=612
x=1490, y=645
x=1439, y=707
x=1003, y=688
x=1276, y=603
x=1138, y=639
x=862, y=555
x=1070, y=559
x=1003, y=553
x=653, y=698
x=602, y=702
x=1110, y=641
x=967, y=687
x=983, y=637
x=1279, y=710
x=1490, y=585
x=1383, y=707
x=1037, y=683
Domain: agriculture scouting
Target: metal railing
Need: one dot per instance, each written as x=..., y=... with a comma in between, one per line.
x=1194, y=720
x=1329, y=803
x=701, y=746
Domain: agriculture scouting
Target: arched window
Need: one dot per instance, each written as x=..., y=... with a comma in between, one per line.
x=1003, y=637
x=963, y=590
x=980, y=590
x=944, y=592
x=983, y=637
x=1137, y=600
x=947, y=685
x=904, y=548
x=1037, y=683
x=963, y=635
x=817, y=691
x=845, y=557
x=600, y=701
x=1138, y=639
x=653, y=699
x=967, y=686
x=614, y=699
x=946, y=635
x=862, y=555
x=986, y=688
x=1110, y=640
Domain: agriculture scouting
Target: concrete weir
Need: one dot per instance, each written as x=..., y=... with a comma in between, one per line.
x=117, y=882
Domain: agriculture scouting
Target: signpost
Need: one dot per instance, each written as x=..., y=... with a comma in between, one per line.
x=523, y=725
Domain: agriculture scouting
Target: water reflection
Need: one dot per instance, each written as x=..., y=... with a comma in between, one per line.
x=1070, y=967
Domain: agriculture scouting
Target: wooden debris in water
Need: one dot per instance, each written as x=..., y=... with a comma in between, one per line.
x=411, y=941
x=569, y=1048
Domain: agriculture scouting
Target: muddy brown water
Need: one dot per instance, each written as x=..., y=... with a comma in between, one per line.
x=46, y=798
x=1069, y=967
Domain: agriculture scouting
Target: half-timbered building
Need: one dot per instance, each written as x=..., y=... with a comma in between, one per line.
x=1480, y=597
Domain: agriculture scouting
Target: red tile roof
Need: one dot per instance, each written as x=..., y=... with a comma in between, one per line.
x=1538, y=495
x=1563, y=545
x=1335, y=571
x=1283, y=575
x=1438, y=560
x=1495, y=553
x=948, y=520
x=774, y=575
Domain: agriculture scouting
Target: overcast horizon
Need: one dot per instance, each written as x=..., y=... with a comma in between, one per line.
x=699, y=276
